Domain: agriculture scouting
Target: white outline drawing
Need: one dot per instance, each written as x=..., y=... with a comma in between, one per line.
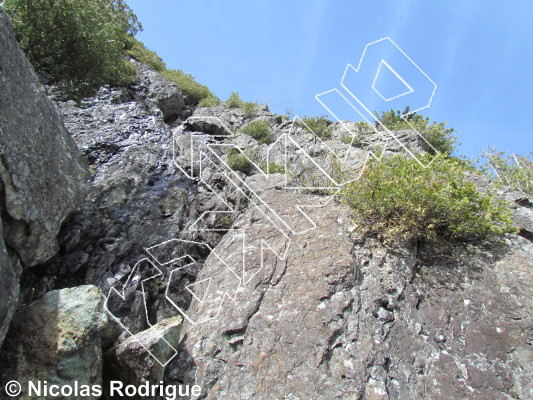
x=122, y=296
x=204, y=151
x=369, y=114
x=383, y=62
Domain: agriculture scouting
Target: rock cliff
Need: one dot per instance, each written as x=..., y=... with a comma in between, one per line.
x=42, y=175
x=252, y=283
x=343, y=318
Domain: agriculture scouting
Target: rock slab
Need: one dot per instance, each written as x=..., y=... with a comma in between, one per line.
x=341, y=317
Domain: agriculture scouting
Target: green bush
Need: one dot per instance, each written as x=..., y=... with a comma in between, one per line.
x=224, y=221
x=289, y=113
x=319, y=125
x=260, y=131
x=141, y=53
x=80, y=44
x=234, y=101
x=398, y=199
x=250, y=109
x=441, y=138
x=362, y=129
x=348, y=140
x=515, y=171
x=193, y=91
x=273, y=168
x=210, y=101
x=237, y=161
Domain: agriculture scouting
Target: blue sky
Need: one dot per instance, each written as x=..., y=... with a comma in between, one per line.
x=479, y=53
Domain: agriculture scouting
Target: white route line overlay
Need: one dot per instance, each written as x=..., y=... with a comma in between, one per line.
x=370, y=113
x=284, y=227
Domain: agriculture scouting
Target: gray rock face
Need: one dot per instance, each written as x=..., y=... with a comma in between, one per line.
x=137, y=199
x=42, y=173
x=163, y=94
x=311, y=309
x=42, y=176
x=57, y=339
x=341, y=317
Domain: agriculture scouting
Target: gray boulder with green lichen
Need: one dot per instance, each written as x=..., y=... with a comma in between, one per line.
x=57, y=339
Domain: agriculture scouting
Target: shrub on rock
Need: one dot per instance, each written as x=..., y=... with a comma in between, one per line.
x=515, y=171
x=441, y=138
x=79, y=44
x=319, y=125
x=194, y=92
x=141, y=53
x=400, y=199
x=259, y=130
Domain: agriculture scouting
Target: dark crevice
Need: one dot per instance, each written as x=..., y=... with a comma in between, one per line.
x=283, y=272
x=524, y=202
x=526, y=234
x=386, y=364
x=419, y=301
x=235, y=331
x=7, y=219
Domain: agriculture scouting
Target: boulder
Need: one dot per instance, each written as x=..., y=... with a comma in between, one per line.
x=57, y=339
x=143, y=357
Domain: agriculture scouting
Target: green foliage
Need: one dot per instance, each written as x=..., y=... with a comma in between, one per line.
x=363, y=128
x=289, y=113
x=210, y=101
x=337, y=170
x=273, y=168
x=194, y=92
x=319, y=125
x=312, y=180
x=234, y=101
x=141, y=53
x=237, y=161
x=347, y=140
x=250, y=109
x=441, y=138
x=224, y=221
x=80, y=44
x=515, y=171
x=260, y=131
x=398, y=199
x=306, y=175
